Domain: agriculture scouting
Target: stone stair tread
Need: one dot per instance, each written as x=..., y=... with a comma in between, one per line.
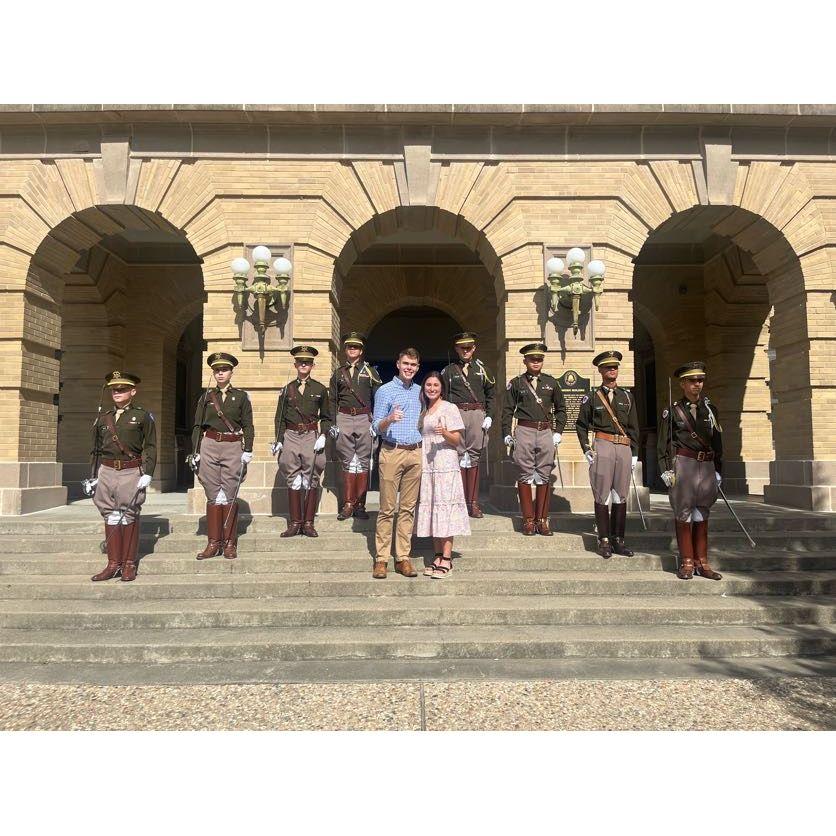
x=253, y=636
x=517, y=602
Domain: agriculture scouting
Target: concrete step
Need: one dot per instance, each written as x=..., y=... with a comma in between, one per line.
x=176, y=563
x=360, y=583
x=450, y=642
x=480, y=541
x=416, y=611
x=760, y=520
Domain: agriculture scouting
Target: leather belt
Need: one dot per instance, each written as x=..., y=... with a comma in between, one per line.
x=219, y=436
x=615, y=439
x=392, y=444
x=355, y=410
x=700, y=456
x=535, y=425
x=302, y=428
x=470, y=406
x=119, y=464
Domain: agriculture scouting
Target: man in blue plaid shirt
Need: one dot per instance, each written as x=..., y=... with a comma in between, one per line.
x=397, y=407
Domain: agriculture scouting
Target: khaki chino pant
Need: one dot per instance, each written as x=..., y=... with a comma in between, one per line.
x=400, y=471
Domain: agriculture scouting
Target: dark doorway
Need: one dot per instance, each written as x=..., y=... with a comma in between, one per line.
x=427, y=329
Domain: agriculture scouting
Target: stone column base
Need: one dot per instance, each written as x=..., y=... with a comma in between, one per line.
x=745, y=477
x=802, y=484
x=26, y=487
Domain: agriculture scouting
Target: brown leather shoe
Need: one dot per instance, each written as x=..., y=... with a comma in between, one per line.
x=113, y=544
x=618, y=523
x=699, y=535
x=404, y=567
x=294, y=523
x=602, y=525
x=472, y=493
x=130, y=544
x=379, y=570
x=361, y=488
x=685, y=543
x=214, y=531
x=527, y=508
x=349, y=497
x=230, y=520
x=541, y=510
x=310, y=511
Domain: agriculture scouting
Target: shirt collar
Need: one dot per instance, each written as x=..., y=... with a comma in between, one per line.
x=397, y=379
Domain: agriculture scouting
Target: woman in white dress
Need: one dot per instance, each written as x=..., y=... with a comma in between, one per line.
x=442, y=511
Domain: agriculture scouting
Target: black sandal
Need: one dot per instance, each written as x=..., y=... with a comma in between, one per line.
x=428, y=571
x=442, y=571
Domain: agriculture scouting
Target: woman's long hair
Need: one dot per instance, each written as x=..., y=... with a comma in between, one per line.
x=424, y=402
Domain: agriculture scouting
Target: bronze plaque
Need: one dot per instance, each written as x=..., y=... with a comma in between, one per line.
x=573, y=387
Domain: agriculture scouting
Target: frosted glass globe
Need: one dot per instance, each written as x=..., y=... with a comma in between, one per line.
x=576, y=256
x=240, y=265
x=282, y=266
x=554, y=266
x=597, y=268
x=261, y=254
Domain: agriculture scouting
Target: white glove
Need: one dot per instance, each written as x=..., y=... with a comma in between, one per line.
x=634, y=462
x=276, y=447
x=508, y=441
x=319, y=444
x=372, y=432
x=334, y=431
x=719, y=478
x=89, y=486
x=144, y=482
x=246, y=458
x=196, y=458
x=590, y=456
x=556, y=439
x=486, y=424
x=667, y=477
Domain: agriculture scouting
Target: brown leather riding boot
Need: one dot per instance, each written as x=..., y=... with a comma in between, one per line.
x=349, y=495
x=310, y=512
x=214, y=525
x=526, y=508
x=294, y=523
x=361, y=487
x=113, y=544
x=130, y=545
x=541, y=505
x=685, y=543
x=230, y=520
x=618, y=524
x=473, y=484
x=602, y=523
x=699, y=535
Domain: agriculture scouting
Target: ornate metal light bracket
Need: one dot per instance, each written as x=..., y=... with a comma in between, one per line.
x=568, y=291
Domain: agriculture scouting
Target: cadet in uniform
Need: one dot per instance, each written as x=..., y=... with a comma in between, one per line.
x=535, y=400
x=352, y=389
x=471, y=388
x=303, y=417
x=691, y=458
x=124, y=458
x=222, y=447
x=610, y=412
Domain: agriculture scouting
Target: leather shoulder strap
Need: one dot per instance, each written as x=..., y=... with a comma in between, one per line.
x=111, y=428
x=213, y=397
x=610, y=411
x=691, y=428
x=347, y=379
x=536, y=397
x=470, y=388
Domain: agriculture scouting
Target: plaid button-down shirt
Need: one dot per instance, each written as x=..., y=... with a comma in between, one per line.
x=396, y=393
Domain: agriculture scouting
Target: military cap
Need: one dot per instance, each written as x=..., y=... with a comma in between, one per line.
x=117, y=378
x=608, y=358
x=354, y=338
x=534, y=349
x=221, y=358
x=303, y=352
x=465, y=338
x=696, y=368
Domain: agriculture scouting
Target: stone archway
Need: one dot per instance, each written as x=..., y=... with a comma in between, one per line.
x=712, y=283
x=126, y=283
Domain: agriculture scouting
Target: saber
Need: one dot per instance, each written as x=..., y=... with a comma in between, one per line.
x=487, y=453
x=736, y=518
x=235, y=498
x=638, y=501
x=557, y=461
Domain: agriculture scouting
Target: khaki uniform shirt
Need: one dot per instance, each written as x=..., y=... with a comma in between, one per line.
x=592, y=416
x=235, y=406
x=137, y=431
x=520, y=403
x=707, y=426
x=366, y=384
x=313, y=404
x=478, y=378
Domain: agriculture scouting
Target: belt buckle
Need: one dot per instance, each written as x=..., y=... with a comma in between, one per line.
x=117, y=465
x=701, y=456
x=353, y=411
